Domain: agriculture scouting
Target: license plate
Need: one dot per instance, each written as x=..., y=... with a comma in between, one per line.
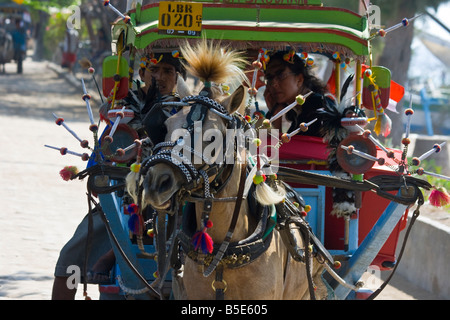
x=180, y=18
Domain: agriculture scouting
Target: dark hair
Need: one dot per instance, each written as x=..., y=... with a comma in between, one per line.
x=298, y=66
x=168, y=57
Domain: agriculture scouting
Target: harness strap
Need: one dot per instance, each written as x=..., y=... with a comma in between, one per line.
x=161, y=245
x=220, y=291
x=229, y=235
x=165, y=256
x=309, y=267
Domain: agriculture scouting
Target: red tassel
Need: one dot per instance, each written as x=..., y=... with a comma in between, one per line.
x=439, y=197
x=135, y=223
x=202, y=240
x=68, y=172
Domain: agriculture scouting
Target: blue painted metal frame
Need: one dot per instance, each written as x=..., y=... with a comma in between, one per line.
x=316, y=217
x=360, y=257
x=369, y=248
x=113, y=209
x=315, y=197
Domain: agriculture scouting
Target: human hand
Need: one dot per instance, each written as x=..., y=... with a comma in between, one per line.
x=270, y=101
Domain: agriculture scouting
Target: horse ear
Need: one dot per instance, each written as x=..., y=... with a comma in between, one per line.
x=182, y=88
x=234, y=102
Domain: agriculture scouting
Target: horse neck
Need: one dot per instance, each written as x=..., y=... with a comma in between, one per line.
x=222, y=212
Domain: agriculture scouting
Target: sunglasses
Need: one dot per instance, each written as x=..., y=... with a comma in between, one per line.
x=279, y=77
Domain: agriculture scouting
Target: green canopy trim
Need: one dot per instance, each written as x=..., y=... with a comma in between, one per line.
x=250, y=26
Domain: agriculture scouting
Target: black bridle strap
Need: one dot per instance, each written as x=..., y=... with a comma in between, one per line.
x=226, y=242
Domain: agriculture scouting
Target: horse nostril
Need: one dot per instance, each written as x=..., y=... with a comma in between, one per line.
x=165, y=183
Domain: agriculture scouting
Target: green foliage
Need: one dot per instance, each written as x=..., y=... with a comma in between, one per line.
x=55, y=33
x=44, y=5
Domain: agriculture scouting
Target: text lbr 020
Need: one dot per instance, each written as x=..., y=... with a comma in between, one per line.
x=180, y=18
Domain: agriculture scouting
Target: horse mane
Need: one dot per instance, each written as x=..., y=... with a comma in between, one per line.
x=210, y=62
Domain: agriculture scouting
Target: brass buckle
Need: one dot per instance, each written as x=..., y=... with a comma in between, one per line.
x=225, y=285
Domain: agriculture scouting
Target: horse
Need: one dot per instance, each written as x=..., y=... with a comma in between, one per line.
x=231, y=248
x=6, y=49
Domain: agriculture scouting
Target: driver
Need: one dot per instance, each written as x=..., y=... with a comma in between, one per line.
x=160, y=73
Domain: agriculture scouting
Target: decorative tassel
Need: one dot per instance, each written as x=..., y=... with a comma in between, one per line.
x=134, y=223
x=439, y=197
x=383, y=125
x=132, y=209
x=68, y=172
x=202, y=240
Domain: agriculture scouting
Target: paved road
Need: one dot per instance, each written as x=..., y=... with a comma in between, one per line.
x=40, y=210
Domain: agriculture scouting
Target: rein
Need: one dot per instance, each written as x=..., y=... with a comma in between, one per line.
x=229, y=235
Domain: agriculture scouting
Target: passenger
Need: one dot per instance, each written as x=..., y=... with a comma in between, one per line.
x=160, y=74
x=287, y=75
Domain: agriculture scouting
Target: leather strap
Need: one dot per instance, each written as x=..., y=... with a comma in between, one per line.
x=229, y=235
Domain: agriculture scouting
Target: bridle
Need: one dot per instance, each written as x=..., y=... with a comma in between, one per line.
x=171, y=152
x=196, y=179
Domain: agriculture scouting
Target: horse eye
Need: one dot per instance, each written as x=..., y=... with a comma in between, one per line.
x=180, y=141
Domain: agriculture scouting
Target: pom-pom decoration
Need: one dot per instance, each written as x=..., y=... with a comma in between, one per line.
x=299, y=100
x=175, y=53
x=264, y=59
x=336, y=55
x=259, y=178
x=135, y=223
x=133, y=208
x=202, y=240
x=68, y=172
x=439, y=197
x=135, y=167
x=289, y=57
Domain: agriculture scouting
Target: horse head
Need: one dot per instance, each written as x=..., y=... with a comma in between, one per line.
x=180, y=162
x=197, y=146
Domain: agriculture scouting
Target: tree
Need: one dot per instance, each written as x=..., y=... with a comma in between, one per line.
x=40, y=13
x=393, y=51
x=90, y=10
x=396, y=54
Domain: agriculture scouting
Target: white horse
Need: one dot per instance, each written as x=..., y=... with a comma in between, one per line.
x=233, y=270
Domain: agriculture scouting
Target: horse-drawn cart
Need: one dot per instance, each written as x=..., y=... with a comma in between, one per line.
x=377, y=180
